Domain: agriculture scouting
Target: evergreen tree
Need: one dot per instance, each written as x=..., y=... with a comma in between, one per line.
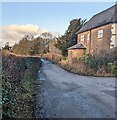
x=70, y=37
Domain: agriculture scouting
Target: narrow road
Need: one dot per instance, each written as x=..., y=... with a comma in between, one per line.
x=67, y=95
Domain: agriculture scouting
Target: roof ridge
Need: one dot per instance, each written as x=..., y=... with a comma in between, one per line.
x=104, y=10
x=102, y=18
x=80, y=47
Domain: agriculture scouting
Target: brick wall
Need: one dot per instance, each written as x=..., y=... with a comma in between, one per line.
x=95, y=44
x=76, y=53
x=86, y=42
x=103, y=43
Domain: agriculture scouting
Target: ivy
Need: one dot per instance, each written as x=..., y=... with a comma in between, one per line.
x=18, y=85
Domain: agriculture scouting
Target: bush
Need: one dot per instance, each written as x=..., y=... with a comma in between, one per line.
x=102, y=64
x=7, y=98
x=64, y=58
x=88, y=59
x=18, y=83
x=112, y=67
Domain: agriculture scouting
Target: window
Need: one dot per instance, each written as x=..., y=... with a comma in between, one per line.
x=82, y=38
x=88, y=36
x=75, y=53
x=50, y=48
x=71, y=53
x=100, y=33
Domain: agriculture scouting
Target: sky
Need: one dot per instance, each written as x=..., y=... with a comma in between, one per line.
x=51, y=16
x=45, y=16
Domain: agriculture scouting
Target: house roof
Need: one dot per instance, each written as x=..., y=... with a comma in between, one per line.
x=103, y=18
x=77, y=46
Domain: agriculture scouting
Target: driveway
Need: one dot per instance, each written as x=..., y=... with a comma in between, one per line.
x=68, y=95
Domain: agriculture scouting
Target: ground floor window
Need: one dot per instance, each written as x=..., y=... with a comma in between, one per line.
x=71, y=53
x=75, y=54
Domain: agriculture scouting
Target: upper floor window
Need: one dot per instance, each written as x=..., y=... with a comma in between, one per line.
x=82, y=38
x=100, y=33
x=88, y=36
x=50, y=48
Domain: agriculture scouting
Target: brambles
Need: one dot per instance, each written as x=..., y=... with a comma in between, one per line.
x=102, y=64
x=18, y=85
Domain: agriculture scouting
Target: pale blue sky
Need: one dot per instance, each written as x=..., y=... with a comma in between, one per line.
x=52, y=16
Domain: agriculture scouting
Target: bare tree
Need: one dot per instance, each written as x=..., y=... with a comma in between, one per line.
x=46, y=35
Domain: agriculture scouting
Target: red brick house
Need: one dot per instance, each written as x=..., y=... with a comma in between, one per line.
x=99, y=33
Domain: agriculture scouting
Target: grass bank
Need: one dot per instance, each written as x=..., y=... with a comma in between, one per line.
x=19, y=85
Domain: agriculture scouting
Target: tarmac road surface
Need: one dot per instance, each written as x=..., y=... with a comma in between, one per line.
x=68, y=95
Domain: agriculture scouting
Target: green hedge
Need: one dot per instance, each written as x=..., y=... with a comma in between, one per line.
x=19, y=78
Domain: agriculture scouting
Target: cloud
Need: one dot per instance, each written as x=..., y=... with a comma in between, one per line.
x=13, y=33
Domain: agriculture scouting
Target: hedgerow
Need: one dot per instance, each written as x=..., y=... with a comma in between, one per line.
x=19, y=78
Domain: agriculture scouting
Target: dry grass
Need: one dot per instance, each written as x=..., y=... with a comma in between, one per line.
x=102, y=64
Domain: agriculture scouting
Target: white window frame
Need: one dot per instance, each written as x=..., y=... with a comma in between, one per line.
x=82, y=38
x=100, y=33
x=88, y=36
